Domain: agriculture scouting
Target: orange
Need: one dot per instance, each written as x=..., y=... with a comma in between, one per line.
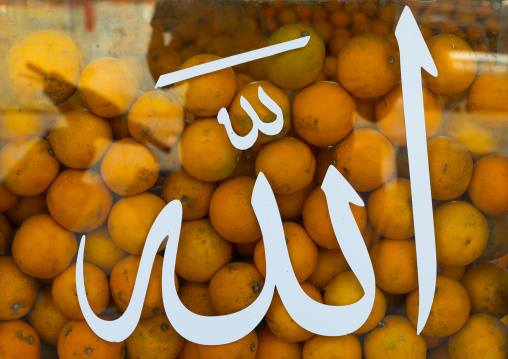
x=107, y=87
x=280, y=322
x=324, y=29
x=129, y=168
x=201, y=251
x=297, y=68
x=485, y=97
x=231, y=212
x=46, y=318
x=455, y=63
x=479, y=139
x=8, y=200
x=365, y=158
x=291, y=205
x=454, y=272
x=242, y=80
x=156, y=120
x=130, y=221
x=483, y=336
x=80, y=139
x=189, y=351
x=270, y=346
x=449, y=311
x=317, y=222
x=101, y=251
x=77, y=339
x=450, y=167
x=390, y=209
x=497, y=244
x=17, y=123
x=19, y=291
x=389, y=112
x=340, y=37
x=489, y=185
x=328, y=123
x=234, y=287
x=303, y=252
x=360, y=23
x=345, y=289
x=195, y=297
x=154, y=337
x=340, y=18
x=344, y=347
x=18, y=340
x=206, y=152
x=368, y=65
x=162, y=60
x=79, y=200
x=205, y=95
x=43, y=68
x=461, y=233
x=42, y=248
x=5, y=234
x=28, y=206
x=394, y=263
x=487, y=286
x=288, y=165
x=245, y=348
x=195, y=195
x=64, y=291
x=242, y=123
x=394, y=337
x=28, y=166
x=123, y=278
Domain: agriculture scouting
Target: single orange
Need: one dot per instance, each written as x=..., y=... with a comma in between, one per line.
x=231, y=212
x=365, y=158
x=298, y=68
x=107, y=87
x=390, y=209
x=205, y=95
x=201, y=251
x=130, y=221
x=288, y=165
x=79, y=200
x=394, y=337
x=19, y=290
x=206, y=152
x=368, y=65
x=483, y=336
x=303, y=252
x=80, y=139
x=489, y=184
x=328, y=123
x=394, y=263
x=449, y=311
x=461, y=233
x=28, y=166
x=234, y=287
x=156, y=120
x=18, y=340
x=455, y=63
x=42, y=248
x=241, y=121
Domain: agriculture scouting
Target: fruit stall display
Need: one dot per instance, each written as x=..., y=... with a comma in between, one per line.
x=89, y=146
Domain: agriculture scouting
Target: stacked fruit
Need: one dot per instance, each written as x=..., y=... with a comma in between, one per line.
x=84, y=151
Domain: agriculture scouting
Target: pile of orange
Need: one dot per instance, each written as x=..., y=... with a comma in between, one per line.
x=84, y=151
